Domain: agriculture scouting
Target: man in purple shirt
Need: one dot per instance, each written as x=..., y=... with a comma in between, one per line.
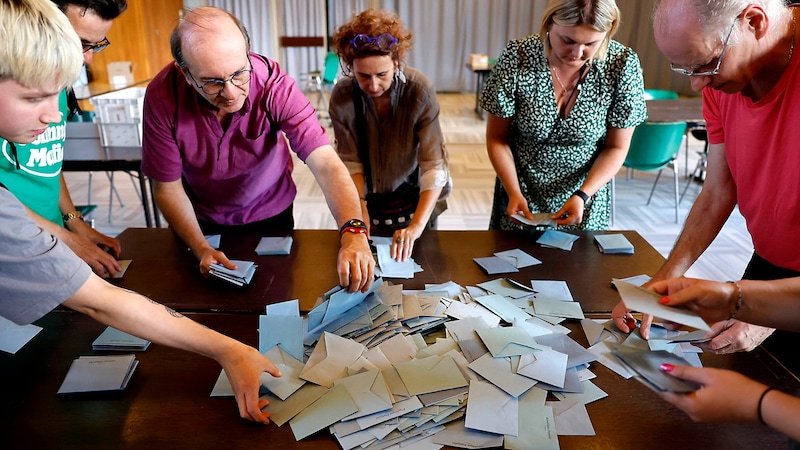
x=216, y=125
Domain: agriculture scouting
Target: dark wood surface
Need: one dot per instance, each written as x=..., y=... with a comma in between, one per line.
x=167, y=403
x=688, y=109
x=164, y=269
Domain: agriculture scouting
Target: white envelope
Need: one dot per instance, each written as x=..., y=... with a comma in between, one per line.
x=290, y=369
x=547, y=366
x=646, y=302
x=508, y=341
x=491, y=409
x=498, y=372
x=369, y=392
x=330, y=359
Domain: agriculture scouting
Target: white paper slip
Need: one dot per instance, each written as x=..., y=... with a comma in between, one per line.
x=99, y=373
x=646, y=302
x=113, y=339
x=539, y=219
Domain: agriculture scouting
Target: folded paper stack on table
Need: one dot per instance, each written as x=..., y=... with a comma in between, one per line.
x=241, y=276
x=375, y=369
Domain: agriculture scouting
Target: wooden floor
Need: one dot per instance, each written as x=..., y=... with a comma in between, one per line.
x=471, y=199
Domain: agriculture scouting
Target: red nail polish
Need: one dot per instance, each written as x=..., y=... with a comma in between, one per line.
x=667, y=367
x=664, y=300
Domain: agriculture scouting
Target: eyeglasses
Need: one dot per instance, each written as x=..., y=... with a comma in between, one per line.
x=215, y=86
x=384, y=42
x=707, y=73
x=97, y=47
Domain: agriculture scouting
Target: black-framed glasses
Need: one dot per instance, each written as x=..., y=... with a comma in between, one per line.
x=384, y=41
x=96, y=47
x=706, y=73
x=215, y=86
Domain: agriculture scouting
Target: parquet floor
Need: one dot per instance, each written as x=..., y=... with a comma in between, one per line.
x=470, y=201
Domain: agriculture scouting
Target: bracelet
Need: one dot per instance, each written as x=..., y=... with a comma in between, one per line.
x=738, y=300
x=355, y=230
x=760, y=402
x=72, y=215
x=582, y=195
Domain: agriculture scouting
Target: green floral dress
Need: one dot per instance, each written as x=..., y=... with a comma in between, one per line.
x=553, y=155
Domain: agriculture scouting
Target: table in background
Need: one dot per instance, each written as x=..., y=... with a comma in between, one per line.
x=686, y=109
x=167, y=403
x=84, y=153
x=166, y=271
x=481, y=72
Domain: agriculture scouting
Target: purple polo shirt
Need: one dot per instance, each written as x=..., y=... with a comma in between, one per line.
x=239, y=175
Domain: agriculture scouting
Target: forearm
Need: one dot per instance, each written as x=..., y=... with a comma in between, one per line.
x=339, y=189
x=605, y=167
x=781, y=412
x=427, y=202
x=179, y=213
x=65, y=204
x=140, y=316
x=773, y=303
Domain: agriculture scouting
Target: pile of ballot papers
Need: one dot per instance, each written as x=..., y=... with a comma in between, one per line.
x=360, y=367
x=613, y=243
x=99, y=373
x=113, y=339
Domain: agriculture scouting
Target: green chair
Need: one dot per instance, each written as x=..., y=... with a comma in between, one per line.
x=322, y=81
x=654, y=146
x=660, y=94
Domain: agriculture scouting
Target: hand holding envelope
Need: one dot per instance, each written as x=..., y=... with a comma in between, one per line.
x=647, y=302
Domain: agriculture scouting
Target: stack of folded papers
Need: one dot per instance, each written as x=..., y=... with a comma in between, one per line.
x=113, y=339
x=613, y=243
x=539, y=219
x=557, y=239
x=240, y=277
x=98, y=374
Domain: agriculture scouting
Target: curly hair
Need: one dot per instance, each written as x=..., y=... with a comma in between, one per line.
x=373, y=23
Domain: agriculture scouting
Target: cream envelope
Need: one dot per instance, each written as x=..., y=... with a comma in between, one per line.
x=290, y=369
x=508, y=341
x=647, y=302
x=460, y=310
x=502, y=307
x=281, y=411
x=369, y=392
x=435, y=373
x=547, y=366
x=491, y=409
x=331, y=407
x=456, y=434
x=330, y=359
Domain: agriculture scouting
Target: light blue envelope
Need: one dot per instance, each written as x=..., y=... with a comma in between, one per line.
x=435, y=373
x=332, y=407
x=491, y=409
x=498, y=372
x=493, y=265
x=369, y=392
x=508, y=341
x=290, y=368
x=557, y=239
x=286, y=331
x=503, y=308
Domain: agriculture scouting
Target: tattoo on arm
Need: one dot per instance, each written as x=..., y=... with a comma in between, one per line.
x=171, y=311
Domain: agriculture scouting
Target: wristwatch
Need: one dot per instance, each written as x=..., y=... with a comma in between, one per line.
x=353, y=226
x=72, y=215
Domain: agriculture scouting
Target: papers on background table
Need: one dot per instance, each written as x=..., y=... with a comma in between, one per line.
x=274, y=246
x=613, y=243
x=213, y=240
x=113, y=339
x=557, y=239
x=99, y=373
x=647, y=302
x=240, y=276
x=13, y=337
x=507, y=261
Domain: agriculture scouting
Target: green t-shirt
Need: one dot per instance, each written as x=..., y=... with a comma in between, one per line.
x=37, y=182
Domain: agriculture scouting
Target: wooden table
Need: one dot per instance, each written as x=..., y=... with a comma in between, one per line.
x=166, y=271
x=84, y=153
x=167, y=403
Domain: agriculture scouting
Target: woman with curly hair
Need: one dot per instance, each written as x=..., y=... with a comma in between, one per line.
x=386, y=122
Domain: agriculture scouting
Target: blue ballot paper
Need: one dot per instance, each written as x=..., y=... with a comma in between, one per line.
x=99, y=373
x=113, y=339
x=557, y=239
x=274, y=246
x=241, y=276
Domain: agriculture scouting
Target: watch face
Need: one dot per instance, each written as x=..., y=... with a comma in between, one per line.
x=357, y=223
